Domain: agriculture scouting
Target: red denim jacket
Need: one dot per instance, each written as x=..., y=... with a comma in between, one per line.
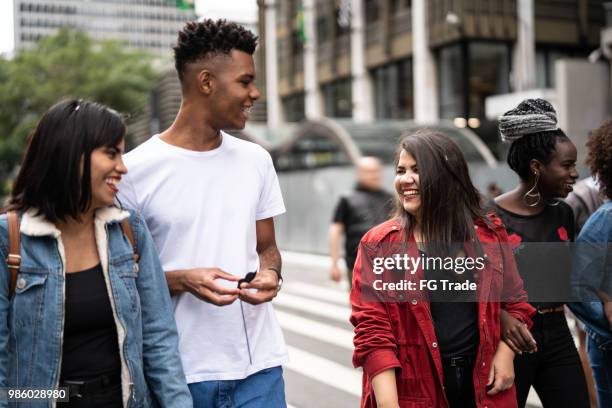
x=400, y=334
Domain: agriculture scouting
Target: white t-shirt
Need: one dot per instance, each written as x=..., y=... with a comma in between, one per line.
x=201, y=208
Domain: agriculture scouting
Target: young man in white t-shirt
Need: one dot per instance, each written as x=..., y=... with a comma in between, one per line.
x=209, y=200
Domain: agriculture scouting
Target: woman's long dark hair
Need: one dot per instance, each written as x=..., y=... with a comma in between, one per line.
x=55, y=175
x=449, y=201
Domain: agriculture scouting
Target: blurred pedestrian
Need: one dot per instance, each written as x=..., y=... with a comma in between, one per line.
x=210, y=199
x=421, y=351
x=545, y=160
x=367, y=206
x=585, y=199
x=592, y=274
x=86, y=310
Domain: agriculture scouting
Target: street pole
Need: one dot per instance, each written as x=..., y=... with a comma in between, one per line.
x=361, y=84
x=524, y=77
x=273, y=101
x=425, y=73
x=311, y=86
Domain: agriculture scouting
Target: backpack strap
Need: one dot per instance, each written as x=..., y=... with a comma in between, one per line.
x=127, y=230
x=13, y=260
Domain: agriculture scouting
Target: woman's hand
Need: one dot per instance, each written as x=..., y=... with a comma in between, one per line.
x=516, y=334
x=501, y=375
x=385, y=389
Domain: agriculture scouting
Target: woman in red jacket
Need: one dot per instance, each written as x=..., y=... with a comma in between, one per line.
x=416, y=347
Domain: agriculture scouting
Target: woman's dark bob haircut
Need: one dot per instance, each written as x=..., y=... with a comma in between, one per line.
x=449, y=201
x=55, y=175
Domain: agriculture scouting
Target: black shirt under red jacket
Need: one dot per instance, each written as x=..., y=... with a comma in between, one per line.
x=400, y=334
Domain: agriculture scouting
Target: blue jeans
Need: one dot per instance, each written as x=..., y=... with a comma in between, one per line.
x=601, y=363
x=264, y=389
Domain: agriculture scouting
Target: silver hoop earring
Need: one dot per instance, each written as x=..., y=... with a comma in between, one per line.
x=531, y=195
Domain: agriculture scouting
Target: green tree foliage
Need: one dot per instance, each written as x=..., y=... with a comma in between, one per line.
x=68, y=64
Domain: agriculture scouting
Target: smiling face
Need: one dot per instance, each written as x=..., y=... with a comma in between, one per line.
x=407, y=184
x=233, y=90
x=107, y=168
x=559, y=175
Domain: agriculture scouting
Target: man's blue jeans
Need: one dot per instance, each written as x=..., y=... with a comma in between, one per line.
x=264, y=389
x=601, y=363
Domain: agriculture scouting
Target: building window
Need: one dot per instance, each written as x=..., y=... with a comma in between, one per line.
x=451, y=81
x=337, y=96
x=393, y=91
x=294, y=107
x=399, y=5
x=546, y=59
x=343, y=26
x=322, y=30
x=372, y=11
x=489, y=74
x=468, y=74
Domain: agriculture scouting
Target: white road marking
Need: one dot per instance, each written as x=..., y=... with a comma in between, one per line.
x=328, y=294
x=315, y=307
x=305, y=259
x=315, y=330
x=324, y=371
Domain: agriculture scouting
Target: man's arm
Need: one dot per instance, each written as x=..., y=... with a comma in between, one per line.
x=201, y=282
x=336, y=230
x=267, y=278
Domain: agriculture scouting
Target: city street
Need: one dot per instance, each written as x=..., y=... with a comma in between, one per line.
x=313, y=313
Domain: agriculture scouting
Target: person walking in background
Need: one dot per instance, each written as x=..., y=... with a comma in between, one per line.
x=88, y=311
x=545, y=160
x=424, y=350
x=585, y=199
x=209, y=199
x=367, y=206
x=592, y=274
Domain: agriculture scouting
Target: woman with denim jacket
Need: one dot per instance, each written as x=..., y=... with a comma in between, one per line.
x=592, y=273
x=85, y=313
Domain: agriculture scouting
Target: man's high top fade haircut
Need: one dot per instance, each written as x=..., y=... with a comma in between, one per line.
x=208, y=38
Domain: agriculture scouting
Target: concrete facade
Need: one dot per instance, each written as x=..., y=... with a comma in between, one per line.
x=423, y=60
x=583, y=96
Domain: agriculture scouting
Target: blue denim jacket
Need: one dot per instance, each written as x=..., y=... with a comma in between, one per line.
x=31, y=324
x=593, y=271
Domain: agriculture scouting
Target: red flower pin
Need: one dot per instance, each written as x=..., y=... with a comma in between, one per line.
x=562, y=232
x=515, y=240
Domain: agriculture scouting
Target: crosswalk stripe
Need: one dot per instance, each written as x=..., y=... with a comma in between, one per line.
x=325, y=371
x=317, y=292
x=302, y=258
x=315, y=307
x=315, y=330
